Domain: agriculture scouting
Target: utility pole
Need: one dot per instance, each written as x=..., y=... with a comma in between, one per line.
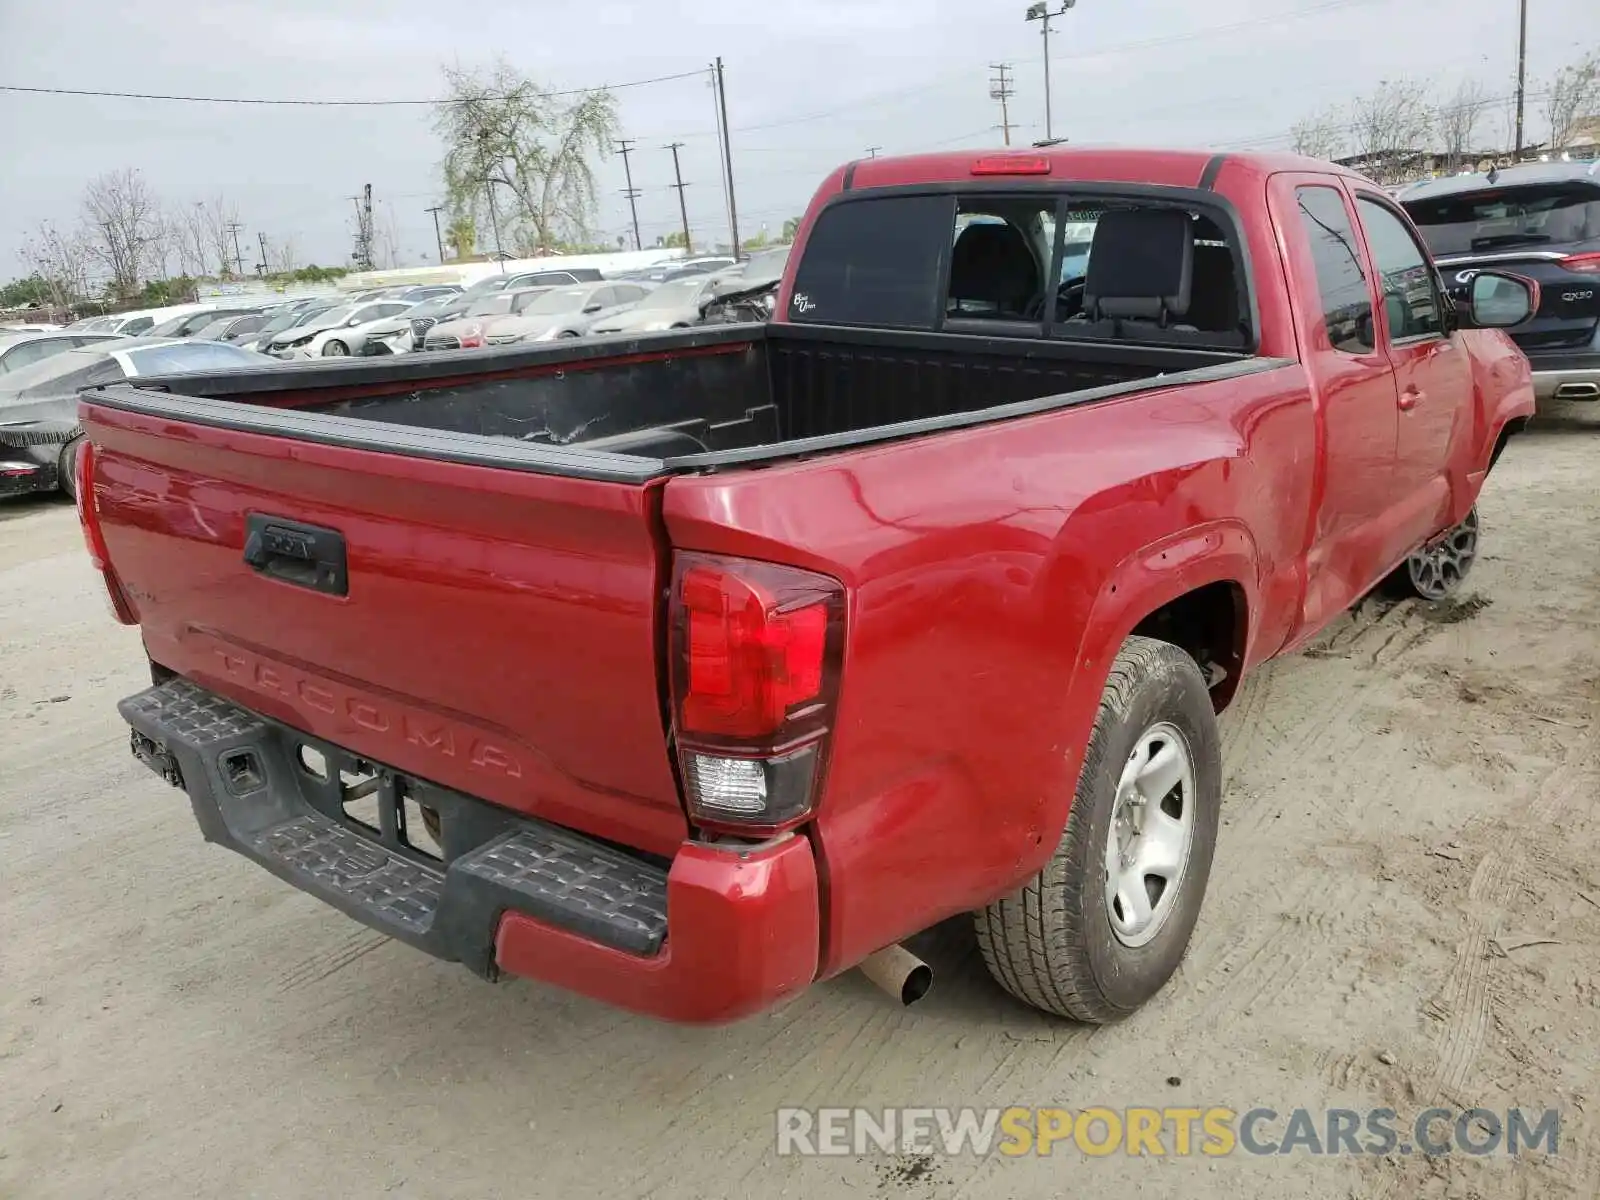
x=437, y=236
x=1522, y=71
x=1041, y=12
x=872, y=151
x=625, y=148
x=683, y=207
x=238, y=255
x=261, y=267
x=727, y=157
x=1000, y=89
x=363, y=253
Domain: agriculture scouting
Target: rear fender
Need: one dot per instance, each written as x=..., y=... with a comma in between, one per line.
x=1145, y=581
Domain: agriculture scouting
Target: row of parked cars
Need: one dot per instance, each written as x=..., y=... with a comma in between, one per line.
x=42, y=368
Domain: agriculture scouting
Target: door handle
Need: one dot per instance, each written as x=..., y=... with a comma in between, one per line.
x=1410, y=398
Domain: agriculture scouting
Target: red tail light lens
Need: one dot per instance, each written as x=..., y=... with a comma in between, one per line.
x=1581, y=262
x=756, y=649
x=93, y=537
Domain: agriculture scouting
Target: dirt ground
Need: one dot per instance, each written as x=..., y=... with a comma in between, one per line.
x=1405, y=910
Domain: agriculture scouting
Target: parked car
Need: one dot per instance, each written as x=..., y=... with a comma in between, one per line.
x=8, y=327
x=727, y=659
x=138, y=322
x=747, y=292
x=1541, y=220
x=674, y=305
x=334, y=331
x=566, y=312
x=284, y=320
x=39, y=433
x=404, y=333
x=189, y=324
x=431, y=291
x=467, y=331
x=19, y=350
x=236, y=327
x=528, y=279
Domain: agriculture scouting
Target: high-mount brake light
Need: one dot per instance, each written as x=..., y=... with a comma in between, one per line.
x=756, y=651
x=1012, y=164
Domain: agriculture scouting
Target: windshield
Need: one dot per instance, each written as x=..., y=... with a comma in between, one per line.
x=434, y=308
x=48, y=369
x=490, y=306
x=681, y=293
x=331, y=315
x=282, y=321
x=1508, y=217
x=562, y=300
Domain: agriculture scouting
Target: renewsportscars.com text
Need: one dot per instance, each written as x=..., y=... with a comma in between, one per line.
x=1214, y=1132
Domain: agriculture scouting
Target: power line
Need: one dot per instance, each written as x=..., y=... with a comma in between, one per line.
x=271, y=101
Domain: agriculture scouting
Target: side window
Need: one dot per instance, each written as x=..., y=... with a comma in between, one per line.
x=1405, y=277
x=874, y=262
x=1342, y=284
x=999, y=258
x=29, y=352
x=137, y=326
x=604, y=297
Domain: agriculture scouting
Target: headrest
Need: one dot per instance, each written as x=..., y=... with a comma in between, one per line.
x=993, y=264
x=1141, y=264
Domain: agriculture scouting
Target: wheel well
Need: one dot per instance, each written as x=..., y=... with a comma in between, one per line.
x=1511, y=428
x=1210, y=624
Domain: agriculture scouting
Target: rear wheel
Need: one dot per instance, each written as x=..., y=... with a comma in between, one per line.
x=1104, y=925
x=335, y=349
x=1437, y=571
x=67, y=468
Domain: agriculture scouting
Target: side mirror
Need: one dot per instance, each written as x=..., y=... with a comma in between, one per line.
x=1495, y=300
x=592, y=308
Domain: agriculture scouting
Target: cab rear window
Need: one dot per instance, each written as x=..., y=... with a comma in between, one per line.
x=875, y=262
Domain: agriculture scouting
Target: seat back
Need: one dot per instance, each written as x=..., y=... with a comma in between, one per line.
x=993, y=264
x=1141, y=265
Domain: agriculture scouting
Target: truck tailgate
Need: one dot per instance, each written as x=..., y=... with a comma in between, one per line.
x=496, y=632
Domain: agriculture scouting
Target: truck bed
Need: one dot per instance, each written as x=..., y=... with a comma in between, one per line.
x=700, y=399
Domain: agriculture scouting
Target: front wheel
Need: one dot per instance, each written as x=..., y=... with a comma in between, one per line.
x=1437, y=571
x=335, y=349
x=1103, y=926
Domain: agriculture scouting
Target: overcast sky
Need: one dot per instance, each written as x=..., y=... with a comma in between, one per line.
x=810, y=83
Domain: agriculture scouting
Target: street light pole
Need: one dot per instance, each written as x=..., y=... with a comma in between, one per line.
x=1041, y=12
x=1522, y=71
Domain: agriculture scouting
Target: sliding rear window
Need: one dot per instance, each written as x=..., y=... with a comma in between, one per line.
x=1018, y=263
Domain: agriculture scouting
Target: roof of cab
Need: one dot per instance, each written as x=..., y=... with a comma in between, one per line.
x=1100, y=164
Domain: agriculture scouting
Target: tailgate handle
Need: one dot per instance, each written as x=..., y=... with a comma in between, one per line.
x=307, y=556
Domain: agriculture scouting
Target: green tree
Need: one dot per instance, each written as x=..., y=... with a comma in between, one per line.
x=501, y=129
x=462, y=235
x=675, y=241
x=24, y=293
x=791, y=229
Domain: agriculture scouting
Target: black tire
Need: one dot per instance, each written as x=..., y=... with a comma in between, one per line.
x=67, y=468
x=1437, y=571
x=334, y=348
x=1052, y=944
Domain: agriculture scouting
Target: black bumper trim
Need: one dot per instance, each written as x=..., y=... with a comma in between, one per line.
x=250, y=792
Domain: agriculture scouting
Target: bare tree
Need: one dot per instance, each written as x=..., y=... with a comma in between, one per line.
x=1457, y=121
x=1389, y=125
x=1573, y=95
x=386, y=241
x=498, y=126
x=61, y=260
x=1321, y=135
x=124, y=228
x=212, y=219
x=283, y=256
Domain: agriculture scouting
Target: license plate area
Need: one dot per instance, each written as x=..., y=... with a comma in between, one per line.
x=402, y=814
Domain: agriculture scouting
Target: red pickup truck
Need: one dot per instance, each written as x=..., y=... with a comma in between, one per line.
x=686, y=670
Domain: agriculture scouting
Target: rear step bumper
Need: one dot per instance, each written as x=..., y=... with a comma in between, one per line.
x=718, y=935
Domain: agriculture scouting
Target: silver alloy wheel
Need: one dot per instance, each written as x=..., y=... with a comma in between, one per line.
x=335, y=349
x=1438, y=570
x=1152, y=830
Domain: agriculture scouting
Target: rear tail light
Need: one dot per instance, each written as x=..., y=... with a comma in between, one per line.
x=1012, y=164
x=756, y=652
x=1581, y=262
x=93, y=537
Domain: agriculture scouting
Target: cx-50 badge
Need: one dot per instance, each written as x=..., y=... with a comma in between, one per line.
x=1587, y=294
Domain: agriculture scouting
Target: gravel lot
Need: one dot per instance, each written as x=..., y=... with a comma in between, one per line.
x=1405, y=911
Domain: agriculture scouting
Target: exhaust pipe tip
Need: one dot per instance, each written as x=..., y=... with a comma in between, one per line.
x=1578, y=391
x=900, y=973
